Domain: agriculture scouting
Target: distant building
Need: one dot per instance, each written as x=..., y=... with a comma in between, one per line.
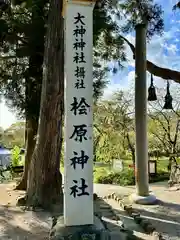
x=5, y=156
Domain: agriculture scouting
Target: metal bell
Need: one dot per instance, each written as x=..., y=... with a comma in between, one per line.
x=168, y=99
x=152, y=91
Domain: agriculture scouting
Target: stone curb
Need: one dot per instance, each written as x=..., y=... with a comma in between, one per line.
x=114, y=217
x=145, y=224
x=128, y=233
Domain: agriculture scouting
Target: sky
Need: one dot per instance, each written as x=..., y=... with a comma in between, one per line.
x=6, y=116
x=161, y=50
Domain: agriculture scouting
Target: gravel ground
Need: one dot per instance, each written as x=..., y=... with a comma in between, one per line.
x=17, y=224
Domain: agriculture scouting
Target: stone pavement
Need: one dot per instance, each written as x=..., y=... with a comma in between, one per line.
x=119, y=226
x=165, y=216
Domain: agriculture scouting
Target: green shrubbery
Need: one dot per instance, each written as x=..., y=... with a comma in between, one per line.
x=5, y=177
x=123, y=178
x=16, y=159
x=6, y=174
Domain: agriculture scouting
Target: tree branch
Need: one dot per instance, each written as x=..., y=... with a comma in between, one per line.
x=158, y=119
x=176, y=134
x=165, y=73
x=161, y=140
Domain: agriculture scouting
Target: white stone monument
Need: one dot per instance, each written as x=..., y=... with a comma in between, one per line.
x=78, y=171
x=118, y=164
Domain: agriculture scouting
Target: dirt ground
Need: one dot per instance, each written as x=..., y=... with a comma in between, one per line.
x=18, y=224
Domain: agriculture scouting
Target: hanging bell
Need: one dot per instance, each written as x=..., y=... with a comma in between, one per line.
x=152, y=91
x=168, y=99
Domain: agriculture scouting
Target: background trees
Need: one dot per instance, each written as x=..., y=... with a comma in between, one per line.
x=114, y=127
x=164, y=127
x=13, y=136
x=23, y=55
x=22, y=80
x=114, y=135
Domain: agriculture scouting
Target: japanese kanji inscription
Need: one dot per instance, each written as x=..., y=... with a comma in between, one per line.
x=78, y=115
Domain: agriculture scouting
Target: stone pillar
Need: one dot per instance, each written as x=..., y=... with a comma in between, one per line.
x=141, y=169
x=78, y=162
x=141, y=112
x=78, y=222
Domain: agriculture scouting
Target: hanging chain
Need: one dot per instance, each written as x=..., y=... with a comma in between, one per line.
x=151, y=80
x=168, y=86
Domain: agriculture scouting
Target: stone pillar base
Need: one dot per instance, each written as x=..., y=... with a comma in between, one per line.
x=144, y=200
x=96, y=231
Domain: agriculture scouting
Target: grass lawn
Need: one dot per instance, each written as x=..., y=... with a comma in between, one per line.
x=125, y=177
x=162, y=163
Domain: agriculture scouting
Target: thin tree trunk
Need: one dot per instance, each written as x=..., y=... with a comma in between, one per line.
x=25, y=132
x=131, y=147
x=45, y=181
x=133, y=156
x=31, y=131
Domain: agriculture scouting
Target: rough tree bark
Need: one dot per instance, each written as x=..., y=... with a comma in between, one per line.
x=31, y=131
x=45, y=181
x=33, y=84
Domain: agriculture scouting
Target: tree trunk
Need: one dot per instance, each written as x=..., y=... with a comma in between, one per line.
x=31, y=131
x=131, y=147
x=45, y=181
x=33, y=85
x=133, y=155
x=25, y=132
